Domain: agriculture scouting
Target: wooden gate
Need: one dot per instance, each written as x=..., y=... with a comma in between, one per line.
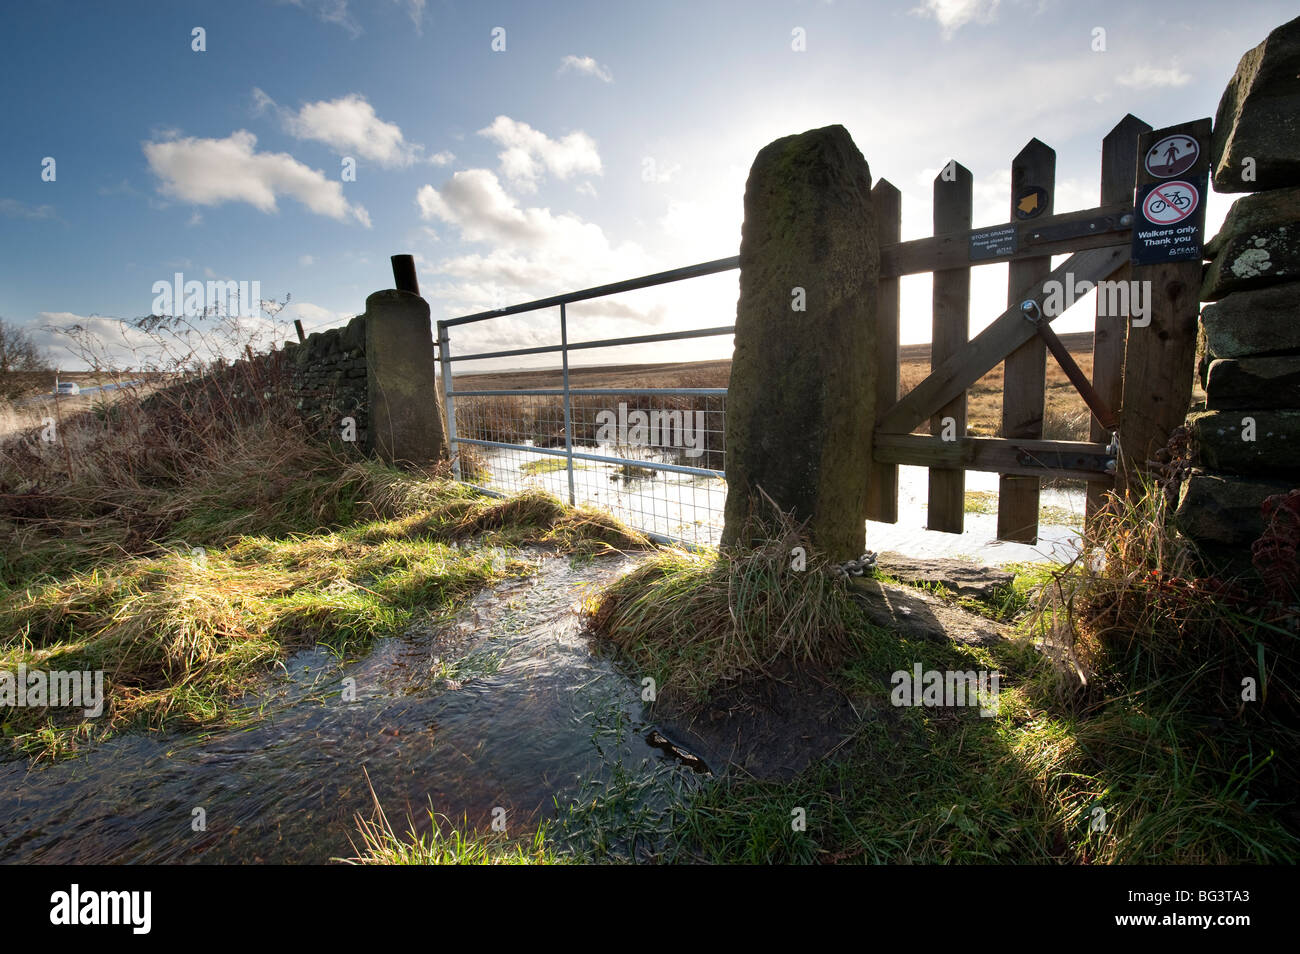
x=1143, y=405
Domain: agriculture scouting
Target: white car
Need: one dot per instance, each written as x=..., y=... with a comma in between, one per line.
x=67, y=387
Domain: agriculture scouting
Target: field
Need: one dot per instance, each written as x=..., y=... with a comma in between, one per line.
x=26, y=400
x=1066, y=416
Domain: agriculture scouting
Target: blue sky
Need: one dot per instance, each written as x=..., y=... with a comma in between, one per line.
x=605, y=141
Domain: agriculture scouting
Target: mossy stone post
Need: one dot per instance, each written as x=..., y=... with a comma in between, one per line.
x=405, y=424
x=801, y=402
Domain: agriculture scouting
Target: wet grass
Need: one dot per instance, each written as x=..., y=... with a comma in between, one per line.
x=1148, y=760
x=183, y=635
x=446, y=844
x=694, y=620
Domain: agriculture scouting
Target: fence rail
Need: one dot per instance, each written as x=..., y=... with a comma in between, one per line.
x=1132, y=374
x=633, y=468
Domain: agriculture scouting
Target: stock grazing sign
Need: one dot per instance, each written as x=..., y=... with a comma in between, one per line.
x=1169, y=220
x=993, y=243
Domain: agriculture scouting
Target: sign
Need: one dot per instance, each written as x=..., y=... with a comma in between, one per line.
x=1031, y=202
x=1172, y=156
x=1169, y=212
x=1170, y=202
x=993, y=243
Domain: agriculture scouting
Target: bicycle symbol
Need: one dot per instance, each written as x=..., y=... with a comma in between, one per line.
x=1176, y=199
x=1171, y=202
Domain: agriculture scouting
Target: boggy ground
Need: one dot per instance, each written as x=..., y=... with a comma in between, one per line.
x=190, y=551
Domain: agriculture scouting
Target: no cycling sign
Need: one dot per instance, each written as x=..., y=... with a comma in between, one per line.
x=1169, y=212
x=1170, y=202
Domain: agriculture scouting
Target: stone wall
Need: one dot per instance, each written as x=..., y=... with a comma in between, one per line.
x=328, y=374
x=1246, y=442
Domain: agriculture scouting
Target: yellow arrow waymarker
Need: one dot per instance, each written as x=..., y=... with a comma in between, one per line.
x=1028, y=203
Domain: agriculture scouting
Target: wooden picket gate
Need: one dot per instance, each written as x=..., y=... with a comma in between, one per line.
x=1142, y=377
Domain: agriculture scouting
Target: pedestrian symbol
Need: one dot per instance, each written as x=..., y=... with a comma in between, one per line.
x=1172, y=156
x=1170, y=202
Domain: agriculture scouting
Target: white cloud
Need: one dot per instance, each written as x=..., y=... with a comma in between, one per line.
x=586, y=188
x=586, y=65
x=443, y=158
x=306, y=261
x=534, y=251
x=13, y=209
x=529, y=153
x=213, y=171
x=338, y=13
x=313, y=317
x=76, y=341
x=1143, y=76
x=331, y=11
x=414, y=9
x=348, y=125
x=952, y=15
x=651, y=171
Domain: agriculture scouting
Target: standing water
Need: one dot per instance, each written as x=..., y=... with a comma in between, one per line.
x=503, y=706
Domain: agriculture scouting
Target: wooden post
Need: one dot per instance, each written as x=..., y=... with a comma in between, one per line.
x=1024, y=376
x=1119, y=156
x=297, y=325
x=882, y=488
x=1160, y=356
x=404, y=274
x=949, y=336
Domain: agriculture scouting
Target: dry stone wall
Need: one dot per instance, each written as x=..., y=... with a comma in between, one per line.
x=328, y=374
x=1246, y=442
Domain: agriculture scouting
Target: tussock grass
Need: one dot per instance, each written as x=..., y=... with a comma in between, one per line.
x=1121, y=736
x=697, y=619
x=445, y=844
x=188, y=540
x=181, y=638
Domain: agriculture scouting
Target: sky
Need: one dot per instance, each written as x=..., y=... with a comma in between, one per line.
x=521, y=150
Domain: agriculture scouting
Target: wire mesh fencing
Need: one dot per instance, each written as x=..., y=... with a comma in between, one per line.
x=652, y=456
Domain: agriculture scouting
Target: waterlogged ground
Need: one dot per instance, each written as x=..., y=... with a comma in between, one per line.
x=690, y=508
x=502, y=706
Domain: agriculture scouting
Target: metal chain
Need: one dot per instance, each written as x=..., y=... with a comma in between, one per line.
x=858, y=567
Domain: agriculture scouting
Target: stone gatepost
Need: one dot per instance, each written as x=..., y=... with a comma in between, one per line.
x=801, y=402
x=405, y=424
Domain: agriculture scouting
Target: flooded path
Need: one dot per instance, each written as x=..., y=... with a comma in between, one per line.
x=503, y=706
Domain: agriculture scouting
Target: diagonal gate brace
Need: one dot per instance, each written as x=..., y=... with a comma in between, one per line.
x=1008, y=332
x=1100, y=410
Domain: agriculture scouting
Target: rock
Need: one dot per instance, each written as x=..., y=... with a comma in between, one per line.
x=1224, y=510
x=1258, y=245
x=1237, y=383
x=958, y=576
x=1254, y=322
x=352, y=337
x=1259, y=117
x=1254, y=214
x=1267, y=257
x=1254, y=441
x=914, y=614
x=801, y=400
